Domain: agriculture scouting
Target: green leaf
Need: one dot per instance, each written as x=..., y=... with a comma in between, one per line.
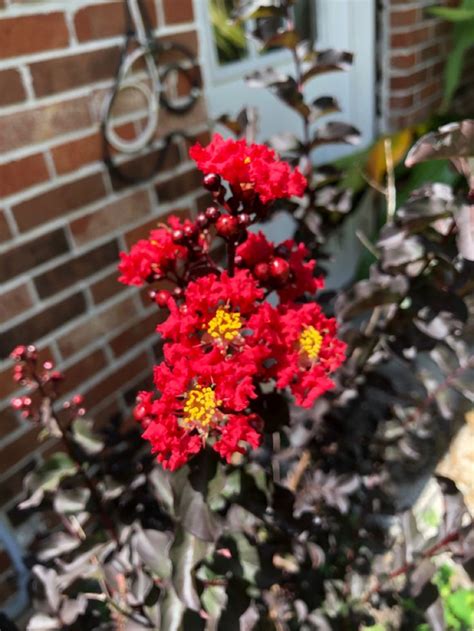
x=85, y=436
x=47, y=477
x=452, y=14
x=186, y=552
x=153, y=547
x=71, y=501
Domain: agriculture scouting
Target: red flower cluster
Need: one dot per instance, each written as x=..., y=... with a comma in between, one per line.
x=249, y=168
x=153, y=258
x=223, y=339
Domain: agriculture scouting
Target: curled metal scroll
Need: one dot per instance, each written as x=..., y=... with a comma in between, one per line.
x=142, y=50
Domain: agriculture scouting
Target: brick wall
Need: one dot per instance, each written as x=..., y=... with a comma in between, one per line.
x=63, y=219
x=412, y=50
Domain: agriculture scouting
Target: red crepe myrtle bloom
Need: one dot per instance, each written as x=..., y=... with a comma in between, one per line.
x=283, y=267
x=249, y=168
x=199, y=402
x=220, y=312
x=154, y=257
x=310, y=352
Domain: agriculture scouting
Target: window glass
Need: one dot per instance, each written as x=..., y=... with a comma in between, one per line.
x=229, y=38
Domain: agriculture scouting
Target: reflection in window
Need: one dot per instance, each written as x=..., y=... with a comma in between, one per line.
x=233, y=41
x=230, y=39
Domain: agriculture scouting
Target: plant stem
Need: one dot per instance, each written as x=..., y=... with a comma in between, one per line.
x=407, y=567
x=231, y=257
x=107, y=522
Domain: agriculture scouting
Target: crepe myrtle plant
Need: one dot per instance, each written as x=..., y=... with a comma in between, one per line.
x=272, y=479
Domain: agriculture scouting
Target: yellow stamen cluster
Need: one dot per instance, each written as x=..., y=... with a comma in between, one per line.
x=200, y=406
x=225, y=325
x=247, y=160
x=310, y=342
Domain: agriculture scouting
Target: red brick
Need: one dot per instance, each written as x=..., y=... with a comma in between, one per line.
x=135, y=334
x=15, y=451
x=5, y=232
x=26, y=34
x=105, y=20
x=76, y=269
x=75, y=154
x=111, y=217
x=66, y=73
x=82, y=370
x=147, y=165
x=408, y=81
x=11, y=87
x=188, y=39
x=14, y=302
x=106, y=287
x=116, y=380
x=97, y=326
x=20, y=174
x=35, y=327
x=403, y=61
x=43, y=123
x=179, y=185
x=58, y=201
x=410, y=37
x=435, y=87
x=177, y=11
x=23, y=257
x=401, y=102
x=141, y=232
x=408, y=17
x=9, y=420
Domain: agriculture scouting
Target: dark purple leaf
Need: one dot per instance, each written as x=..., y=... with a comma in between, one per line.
x=451, y=141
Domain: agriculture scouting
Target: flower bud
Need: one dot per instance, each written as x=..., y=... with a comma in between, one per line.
x=227, y=226
x=202, y=221
x=279, y=270
x=212, y=213
x=211, y=181
x=262, y=271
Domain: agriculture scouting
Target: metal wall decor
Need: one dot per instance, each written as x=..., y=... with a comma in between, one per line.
x=171, y=82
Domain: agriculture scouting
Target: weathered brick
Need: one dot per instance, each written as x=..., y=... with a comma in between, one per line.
x=72, y=71
x=408, y=81
x=136, y=333
x=408, y=17
x=116, y=214
x=401, y=102
x=410, y=37
x=23, y=257
x=9, y=421
x=107, y=287
x=42, y=323
x=82, y=370
x=14, y=302
x=403, y=61
x=76, y=269
x=18, y=449
x=58, y=201
x=188, y=39
x=177, y=11
x=17, y=175
x=147, y=165
x=141, y=232
x=179, y=185
x=114, y=382
x=43, y=123
x=26, y=34
x=11, y=87
x=5, y=232
x=76, y=153
x=106, y=20
x=96, y=327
